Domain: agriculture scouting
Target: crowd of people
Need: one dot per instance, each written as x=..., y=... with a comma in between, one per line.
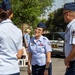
x=38, y=47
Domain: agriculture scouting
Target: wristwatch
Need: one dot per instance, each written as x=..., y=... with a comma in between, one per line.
x=46, y=68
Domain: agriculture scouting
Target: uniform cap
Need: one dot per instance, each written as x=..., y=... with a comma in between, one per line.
x=5, y=9
x=69, y=6
x=5, y=5
x=41, y=25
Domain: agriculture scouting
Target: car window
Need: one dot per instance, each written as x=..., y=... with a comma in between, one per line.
x=55, y=36
x=49, y=36
x=62, y=35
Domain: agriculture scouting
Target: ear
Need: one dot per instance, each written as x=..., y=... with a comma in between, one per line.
x=42, y=32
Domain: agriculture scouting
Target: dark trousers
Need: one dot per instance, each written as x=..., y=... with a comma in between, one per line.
x=71, y=69
x=15, y=74
x=39, y=70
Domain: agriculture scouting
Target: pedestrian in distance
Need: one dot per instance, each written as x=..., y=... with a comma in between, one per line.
x=27, y=37
x=39, y=53
x=69, y=17
x=10, y=44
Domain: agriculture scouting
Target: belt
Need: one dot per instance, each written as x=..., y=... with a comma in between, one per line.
x=38, y=65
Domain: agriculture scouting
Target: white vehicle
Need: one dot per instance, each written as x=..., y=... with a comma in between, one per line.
x=57, y=42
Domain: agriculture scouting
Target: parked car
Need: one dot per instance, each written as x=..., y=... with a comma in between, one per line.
x=57, y=42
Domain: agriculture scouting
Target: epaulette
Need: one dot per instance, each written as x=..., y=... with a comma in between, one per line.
x=44, y=38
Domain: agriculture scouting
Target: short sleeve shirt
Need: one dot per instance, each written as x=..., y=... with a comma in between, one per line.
x=27, y=38
x=10, y=43
x=69, y=37
x=39, y=49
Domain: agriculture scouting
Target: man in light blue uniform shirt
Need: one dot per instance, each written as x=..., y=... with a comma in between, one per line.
x=40, y=53
x=10, y=45
x=69, y=17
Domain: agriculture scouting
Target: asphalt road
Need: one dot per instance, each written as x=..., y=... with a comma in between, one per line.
x=58, y=67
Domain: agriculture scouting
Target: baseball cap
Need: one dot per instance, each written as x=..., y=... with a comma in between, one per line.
x=69, y=6
x=5, y=4
x=41, y=25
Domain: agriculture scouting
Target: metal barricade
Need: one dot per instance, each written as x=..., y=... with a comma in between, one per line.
x=24, y=61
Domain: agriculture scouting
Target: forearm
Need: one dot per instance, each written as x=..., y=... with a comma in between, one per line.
x=29, y=63
x=29, y=59
x=48, y=58
x=71, y=55
x=19, y=54
x=47, y=64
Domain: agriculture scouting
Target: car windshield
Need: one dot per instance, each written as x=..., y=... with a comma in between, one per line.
x=62, y=35
x=55, y=36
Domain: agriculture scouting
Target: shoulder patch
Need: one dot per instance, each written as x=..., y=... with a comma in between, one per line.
x=49, y=43
x=44, y=38
x=73, y=33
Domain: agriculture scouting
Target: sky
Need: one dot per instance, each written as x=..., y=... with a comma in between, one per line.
x=57, y=4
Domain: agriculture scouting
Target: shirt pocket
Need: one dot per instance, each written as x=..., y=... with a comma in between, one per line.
x=33, y=48
x=40, y=49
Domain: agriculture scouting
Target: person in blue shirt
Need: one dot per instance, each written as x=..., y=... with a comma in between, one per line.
x=11, y=48
x=69, y=17
x=39, y=49
x=27, y=37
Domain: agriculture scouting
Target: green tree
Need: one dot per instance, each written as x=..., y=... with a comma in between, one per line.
x=56, y=21
x=27, y=11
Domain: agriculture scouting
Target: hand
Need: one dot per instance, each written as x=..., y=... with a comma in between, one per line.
x=29, y=72
x=46, y=72
x=67, y=63
x=26, y=45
